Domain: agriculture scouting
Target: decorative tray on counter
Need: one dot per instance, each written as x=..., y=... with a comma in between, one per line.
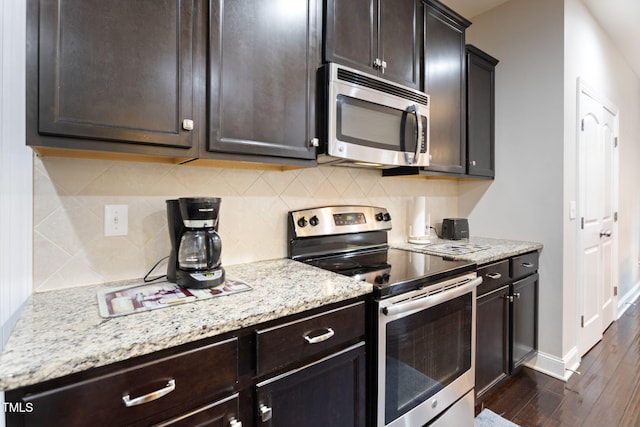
x=455, y=248
x=113, y=302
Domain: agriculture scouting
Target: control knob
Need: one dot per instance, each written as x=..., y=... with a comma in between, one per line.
x=314, y=221
x=302, y=222
x=379, y=216
x=387, y=217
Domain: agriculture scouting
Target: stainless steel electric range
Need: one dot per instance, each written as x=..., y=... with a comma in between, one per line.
x=423, y=324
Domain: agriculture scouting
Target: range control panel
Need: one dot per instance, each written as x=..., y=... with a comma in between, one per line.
x=330, y=220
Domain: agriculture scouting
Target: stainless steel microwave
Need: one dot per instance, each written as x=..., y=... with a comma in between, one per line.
x=372, y=121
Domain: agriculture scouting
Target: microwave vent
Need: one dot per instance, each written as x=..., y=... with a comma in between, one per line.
x=363, y=80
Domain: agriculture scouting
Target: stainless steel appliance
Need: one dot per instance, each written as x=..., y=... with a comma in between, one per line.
x=423, y=338
x=194, y=261
x=373, y=122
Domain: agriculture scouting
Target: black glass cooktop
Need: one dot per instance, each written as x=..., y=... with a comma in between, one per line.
x=393, y=271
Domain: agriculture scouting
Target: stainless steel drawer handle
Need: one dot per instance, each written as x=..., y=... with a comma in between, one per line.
x=494, y=276
x=128, y=402
x=527, y=264
x=320, y=338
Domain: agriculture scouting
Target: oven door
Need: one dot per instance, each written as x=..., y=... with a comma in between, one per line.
x=426, y=351
x=374, y=121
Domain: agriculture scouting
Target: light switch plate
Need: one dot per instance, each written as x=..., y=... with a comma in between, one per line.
x=572, y=209
x=116, y=220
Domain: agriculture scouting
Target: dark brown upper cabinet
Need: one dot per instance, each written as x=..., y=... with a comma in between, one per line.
x=480, y=112
x=382, y=37
x=111, y=76
x=264, y=57
x=444, y=62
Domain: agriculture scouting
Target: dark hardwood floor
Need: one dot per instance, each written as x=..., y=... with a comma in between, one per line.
x=605, y=394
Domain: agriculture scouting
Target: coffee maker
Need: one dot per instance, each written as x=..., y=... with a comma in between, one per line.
x=194, y=261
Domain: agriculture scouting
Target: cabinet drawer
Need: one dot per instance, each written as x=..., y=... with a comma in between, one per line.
x=523, y=265
x=493, y=276
x=189, y=378
x=289, y=343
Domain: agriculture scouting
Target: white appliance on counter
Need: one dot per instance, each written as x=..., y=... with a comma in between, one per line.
x=420, y=222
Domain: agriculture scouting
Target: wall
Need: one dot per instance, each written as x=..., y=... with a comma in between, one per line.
x=544, y=47
x=525, y=201
x=70, y=194
x=591, y=56
x=15, y=173
x=15, y=170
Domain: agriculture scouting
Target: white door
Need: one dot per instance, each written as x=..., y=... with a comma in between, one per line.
x=596, y=204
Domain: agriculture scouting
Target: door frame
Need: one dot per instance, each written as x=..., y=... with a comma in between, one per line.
x=585, y=88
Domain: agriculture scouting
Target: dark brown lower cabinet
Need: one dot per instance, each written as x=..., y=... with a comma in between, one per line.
x=311, y=372
x=506, y=320
x=524, y=320
x=492, y=338
x=173, y=385
x=329, y=392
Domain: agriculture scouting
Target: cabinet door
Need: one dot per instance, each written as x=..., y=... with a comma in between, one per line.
x=524, y=320
x=116, y=70
x=480, y=112
x=400, y=40
x=351, y=33
x=218, y=414
x=492, y=339
x=330, y=392
x=445, y=44
x=264, y=58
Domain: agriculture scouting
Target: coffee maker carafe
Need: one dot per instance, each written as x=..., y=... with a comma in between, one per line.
x=194, y=261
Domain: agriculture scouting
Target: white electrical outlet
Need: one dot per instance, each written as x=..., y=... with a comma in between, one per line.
x=116, y=220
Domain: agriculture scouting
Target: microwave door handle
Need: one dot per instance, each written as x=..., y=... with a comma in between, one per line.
x=414, y=110
x=419, y=128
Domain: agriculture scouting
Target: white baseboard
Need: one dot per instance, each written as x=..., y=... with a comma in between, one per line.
x=628, y=299
x=554, y=366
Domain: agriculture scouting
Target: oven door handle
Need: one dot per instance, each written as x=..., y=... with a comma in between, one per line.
x=431, y=300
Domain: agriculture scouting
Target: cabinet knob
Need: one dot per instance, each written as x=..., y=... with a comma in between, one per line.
x=473, y=162
x=235, y=423
x=383, y=65
x=187, y=124
x=265, y=413
x=315, y=142
x=377, y=63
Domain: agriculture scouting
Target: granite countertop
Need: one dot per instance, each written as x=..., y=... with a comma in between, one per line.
x=61, y=332
x=497, y=248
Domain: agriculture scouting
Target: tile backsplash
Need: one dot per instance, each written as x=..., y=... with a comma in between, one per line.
x=69, y=197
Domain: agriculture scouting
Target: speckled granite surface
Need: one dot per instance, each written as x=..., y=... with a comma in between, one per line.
x=498, y=249
x=61, y=332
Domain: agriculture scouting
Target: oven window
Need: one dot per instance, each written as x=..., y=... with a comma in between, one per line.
x=374, y=125
x=425, y=352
